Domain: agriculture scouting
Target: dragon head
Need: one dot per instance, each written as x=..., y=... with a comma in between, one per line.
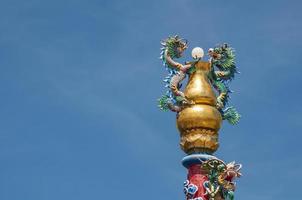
x=223, y=57
x=226, y=178
x=232, y=171
x=175, y=46
x=218, y=52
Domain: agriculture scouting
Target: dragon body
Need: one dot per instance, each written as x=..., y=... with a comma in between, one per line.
x=174, y=99
x=223, y=59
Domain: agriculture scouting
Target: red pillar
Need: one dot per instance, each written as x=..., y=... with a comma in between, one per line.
x=193, y=187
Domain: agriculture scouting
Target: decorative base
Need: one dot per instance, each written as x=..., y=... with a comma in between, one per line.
x=194, y=159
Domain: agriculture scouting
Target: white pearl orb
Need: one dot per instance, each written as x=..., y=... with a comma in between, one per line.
x=197, y=53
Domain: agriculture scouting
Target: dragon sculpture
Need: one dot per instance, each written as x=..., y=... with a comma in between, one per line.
x=173, y=47
x=222, y=59
x=221, y=179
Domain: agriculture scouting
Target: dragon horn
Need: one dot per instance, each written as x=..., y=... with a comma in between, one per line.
x=238, y=166
x=231, y=164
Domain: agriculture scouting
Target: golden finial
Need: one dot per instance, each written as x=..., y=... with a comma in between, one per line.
x=199, y=122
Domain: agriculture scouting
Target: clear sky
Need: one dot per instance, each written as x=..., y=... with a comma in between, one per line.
x=79, y=82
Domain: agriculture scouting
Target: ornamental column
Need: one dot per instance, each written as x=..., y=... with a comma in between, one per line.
x=199, y=116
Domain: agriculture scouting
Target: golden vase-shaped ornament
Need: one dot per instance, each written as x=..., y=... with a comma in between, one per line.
x=200, y=122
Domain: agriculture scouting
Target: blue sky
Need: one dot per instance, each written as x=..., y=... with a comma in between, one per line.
x=79, y=82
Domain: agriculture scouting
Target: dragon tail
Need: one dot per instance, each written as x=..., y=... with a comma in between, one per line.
x=163, y=103
x=231, y=115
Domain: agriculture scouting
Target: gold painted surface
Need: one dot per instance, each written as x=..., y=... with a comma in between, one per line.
x=199, y=123
x=197, y=116
x=199, y=89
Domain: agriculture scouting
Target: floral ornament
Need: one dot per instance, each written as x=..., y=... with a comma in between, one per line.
x=186, y=183
x=190, y=189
